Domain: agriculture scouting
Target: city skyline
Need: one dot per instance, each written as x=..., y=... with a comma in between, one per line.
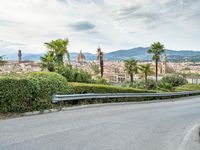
x=88, y=24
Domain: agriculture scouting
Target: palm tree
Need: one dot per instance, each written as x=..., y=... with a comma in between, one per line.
x=157, y=49
x=131, y=67
x=59, y=48
x=100, y=57
x=146, y=71
x=47, y=62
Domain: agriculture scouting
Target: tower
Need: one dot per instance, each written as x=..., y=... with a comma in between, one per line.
x=19, y=56
x=81, y=57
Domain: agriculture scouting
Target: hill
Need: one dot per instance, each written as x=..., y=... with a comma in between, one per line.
x=139, y=53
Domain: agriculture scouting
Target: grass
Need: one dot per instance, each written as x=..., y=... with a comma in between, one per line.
x=80, y=88
x=188, y=87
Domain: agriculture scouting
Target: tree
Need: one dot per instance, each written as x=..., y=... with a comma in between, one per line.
x=146, y=70
x=2, y=61
x=95, y=68
x=157, y=49
x=100, y=57
x=59, y=49
x=131, y=67
x=47, y=62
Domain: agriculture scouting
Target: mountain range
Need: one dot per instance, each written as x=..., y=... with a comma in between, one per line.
x=139, y=53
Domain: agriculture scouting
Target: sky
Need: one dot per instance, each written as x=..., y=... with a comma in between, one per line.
x=110, y=24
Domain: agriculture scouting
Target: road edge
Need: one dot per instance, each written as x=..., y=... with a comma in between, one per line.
x=100, y=105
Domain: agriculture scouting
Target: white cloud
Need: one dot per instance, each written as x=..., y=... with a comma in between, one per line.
x=112, y=24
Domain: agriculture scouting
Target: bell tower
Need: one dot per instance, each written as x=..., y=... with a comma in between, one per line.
x=19, y=56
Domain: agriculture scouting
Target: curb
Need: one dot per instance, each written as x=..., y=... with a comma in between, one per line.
x=98, y=105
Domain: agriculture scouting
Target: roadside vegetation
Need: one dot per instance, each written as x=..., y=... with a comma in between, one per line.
x=24, y=92
x=31, y=91
x=81, y=88
x=188, y=87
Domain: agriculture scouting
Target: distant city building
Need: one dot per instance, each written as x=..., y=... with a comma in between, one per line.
x=81, y=57
x=113, y=70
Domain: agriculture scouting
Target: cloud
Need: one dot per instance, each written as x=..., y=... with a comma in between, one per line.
x=7, y=47
x=82, y=26
x=112, y=24
x=7, y=23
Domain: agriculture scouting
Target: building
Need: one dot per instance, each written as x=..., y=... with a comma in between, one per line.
x=81, y=58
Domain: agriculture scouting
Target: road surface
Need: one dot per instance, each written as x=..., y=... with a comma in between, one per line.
x=128, y=126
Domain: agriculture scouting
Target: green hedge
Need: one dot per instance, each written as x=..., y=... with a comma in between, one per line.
x=32, y=91
x=80, y=88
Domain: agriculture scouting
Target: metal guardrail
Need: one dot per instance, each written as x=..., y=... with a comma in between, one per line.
x=72, y=97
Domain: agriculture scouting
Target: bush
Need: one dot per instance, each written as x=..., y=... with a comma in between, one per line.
x=174, y=79
x=66, y=72
x=32, y=91
x=17, y=94
x=81, y=88
x=140, y=84
x=50, y=83
x=74, y=75
x=165, y=86
x=82, y=76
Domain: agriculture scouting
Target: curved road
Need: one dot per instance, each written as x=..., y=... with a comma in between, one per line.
x=127, y=126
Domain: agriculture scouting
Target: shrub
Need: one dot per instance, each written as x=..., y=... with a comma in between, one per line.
x=73, y=74
x=17, y=94
x=80, y=88
x=140, y=84
x=50, y=83
x=165, y=86
x=32, y=91
x=152, y=85
x=66, y=71
x=82, y=76
x=174, y=79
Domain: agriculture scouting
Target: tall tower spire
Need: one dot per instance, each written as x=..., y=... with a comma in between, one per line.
x=19, y=56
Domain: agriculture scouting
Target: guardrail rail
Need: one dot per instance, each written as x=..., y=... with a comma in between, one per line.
x=72, y=97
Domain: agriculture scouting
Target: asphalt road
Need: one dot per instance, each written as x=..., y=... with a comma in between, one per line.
x=154, y=126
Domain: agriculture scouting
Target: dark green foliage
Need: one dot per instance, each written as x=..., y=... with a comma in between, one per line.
x=29, y=92
x=82, y=76
x=50, y=83
x=17, y=94
x=2, y=61
x=47, y=62
x=174, y=79
x=165, y=86
x=80, y=88
x=66, y=71
x=73, y=74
